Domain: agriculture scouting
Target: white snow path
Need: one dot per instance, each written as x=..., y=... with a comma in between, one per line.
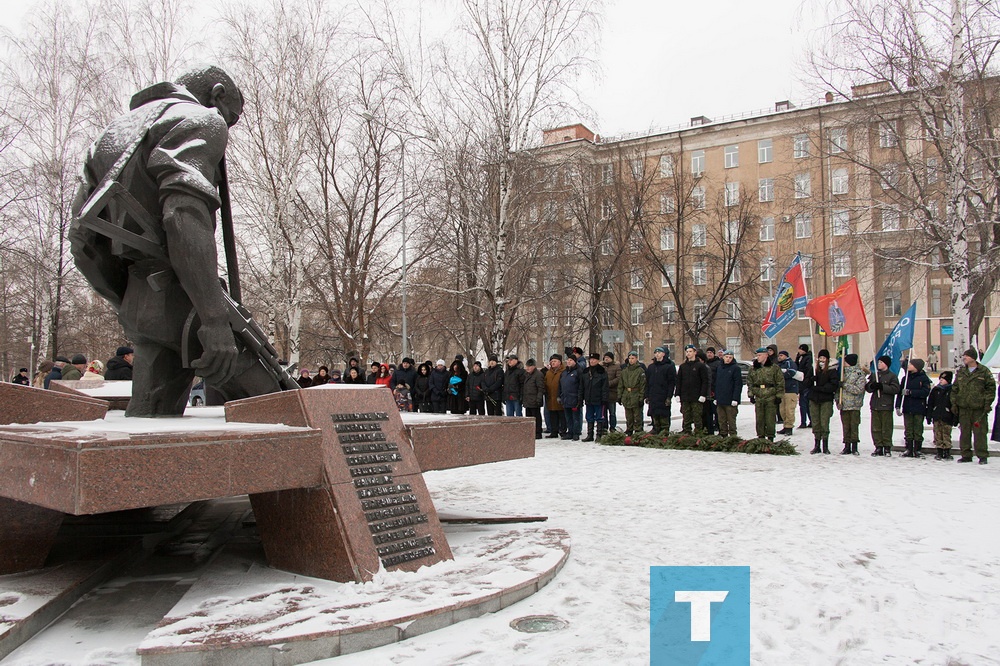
x=854, y=560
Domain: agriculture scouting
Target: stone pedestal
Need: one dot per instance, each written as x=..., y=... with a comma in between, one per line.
x=373, y=509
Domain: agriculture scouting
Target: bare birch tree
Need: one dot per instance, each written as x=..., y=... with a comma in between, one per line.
x=928, y=135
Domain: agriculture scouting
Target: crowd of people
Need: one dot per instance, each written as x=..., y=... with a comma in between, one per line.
x=573, y=388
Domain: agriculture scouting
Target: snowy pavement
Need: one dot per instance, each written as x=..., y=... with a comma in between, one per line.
x=854, y=560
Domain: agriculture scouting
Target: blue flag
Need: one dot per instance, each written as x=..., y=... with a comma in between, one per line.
x=899, y=340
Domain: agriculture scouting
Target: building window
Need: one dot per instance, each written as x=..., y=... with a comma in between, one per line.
x=803, y=225
x=733, y=345
x=636, y=314
x=803, y=186
x=767, y=269
x=667, y=239
x=606, y=247
x=764, y=151
x=667, y=204
x=700, y=273
x=551, y=211
x=735, y=272
x=607, y=317
x=765, y=307
x=733, y=310
x=731, y=231
x=839, y=182
x=887, y=134
x=840, y=221
x=668, y=275
x=638, y=168
x=697, y=162
x=732, y=156
x=889, y=176
x=765, y=189
x=666, y=166
x=668, y=312
x=838, y=139
x=698, y=197
x=890, y=219
x=607, y=174
x=932, y=170
x=767, y=228
x=807, y=265
x=893, y=304
x=698, y=235
x=732, y=194
x=800, y=146
x=607, y=209
x=935, y=304
x=700, y=310
x=636, y=281
x=841, y=264
x=636, y=242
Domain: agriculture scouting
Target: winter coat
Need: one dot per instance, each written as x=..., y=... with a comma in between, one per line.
x=571, y=388
x=533, y=391
x=493, y=383
x=852, y=389
x=883, y=385
x=764, y=382
x=304, y=382
x=939, y=405
x=913, y=395
x=358, y=380
x=403, y=375
x=693, y=381
x=728, y=383
x=361, y=370
x=995, y=435
x=973, y=390
x=421, y=388
x=713, y=365
x=824, y=385
x=788, y=370
x=118, y=368
x=632, y=386
x=614, y=376
x=804, y=364
x=55, y=373
x=553, y=379
x=20, y=379
x=661, y=380
x=71, y=373
x=513, y=382
x=474, y=385
x=439, y=384
x=595, y=385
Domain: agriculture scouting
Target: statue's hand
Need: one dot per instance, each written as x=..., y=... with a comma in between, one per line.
x=217, y=363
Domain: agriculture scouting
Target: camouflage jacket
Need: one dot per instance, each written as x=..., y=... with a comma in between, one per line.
x=765, y=382
x=851, y=396
x=973, y=390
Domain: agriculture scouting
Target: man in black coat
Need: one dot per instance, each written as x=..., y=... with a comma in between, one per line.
x=493, y=386
x=595, y=396
x=693, y=388
x=804, y=364
x=120, y=367
x=661, y=377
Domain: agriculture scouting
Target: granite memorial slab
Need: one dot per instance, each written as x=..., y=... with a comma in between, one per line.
x=447, y=442
x=373, y=510
x=115, y=393
x=27, y=404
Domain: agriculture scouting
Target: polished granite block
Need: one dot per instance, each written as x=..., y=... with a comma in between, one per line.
x=27, y=404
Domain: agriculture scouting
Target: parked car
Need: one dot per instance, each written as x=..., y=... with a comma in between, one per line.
x=197, y=398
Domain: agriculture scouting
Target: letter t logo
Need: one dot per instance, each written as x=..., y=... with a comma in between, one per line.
x=701, y=610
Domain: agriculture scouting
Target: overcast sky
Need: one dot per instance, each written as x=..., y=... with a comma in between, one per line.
x=664, y=61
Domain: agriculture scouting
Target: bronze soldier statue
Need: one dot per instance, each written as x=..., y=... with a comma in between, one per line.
x=143, y=234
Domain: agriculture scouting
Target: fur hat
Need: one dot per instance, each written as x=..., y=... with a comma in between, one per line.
x=595, y=356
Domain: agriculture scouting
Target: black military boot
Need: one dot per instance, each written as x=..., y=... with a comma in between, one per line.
x=909, y=449
x=878, y=452
x=854, y=449
x=939, y=454
x=887, y=451
x=602, y=429
x=826, y=445
x=917, y=449
x=847, y=449
x=816, y=447
x=945, y=454
x=965, y=459
x=590, y=432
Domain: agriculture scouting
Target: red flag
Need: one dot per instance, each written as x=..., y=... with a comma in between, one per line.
x=839, y=313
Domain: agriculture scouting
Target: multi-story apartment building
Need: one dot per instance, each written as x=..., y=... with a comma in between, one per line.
x=716, y=210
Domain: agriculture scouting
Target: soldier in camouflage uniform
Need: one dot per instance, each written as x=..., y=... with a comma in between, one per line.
x=850, y=400
x=971, y=399
x=765, y=385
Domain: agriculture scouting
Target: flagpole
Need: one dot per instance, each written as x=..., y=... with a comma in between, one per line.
x=812, y=342
x=906, y=376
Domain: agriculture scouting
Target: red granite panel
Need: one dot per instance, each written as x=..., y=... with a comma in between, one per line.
x=117, y=400
x=462, y=442
x=27, y=533
x=38, y=471
x=382, y=514
x=27, y=404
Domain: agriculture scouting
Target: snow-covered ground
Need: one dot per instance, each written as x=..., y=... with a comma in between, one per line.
x=854, y=560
